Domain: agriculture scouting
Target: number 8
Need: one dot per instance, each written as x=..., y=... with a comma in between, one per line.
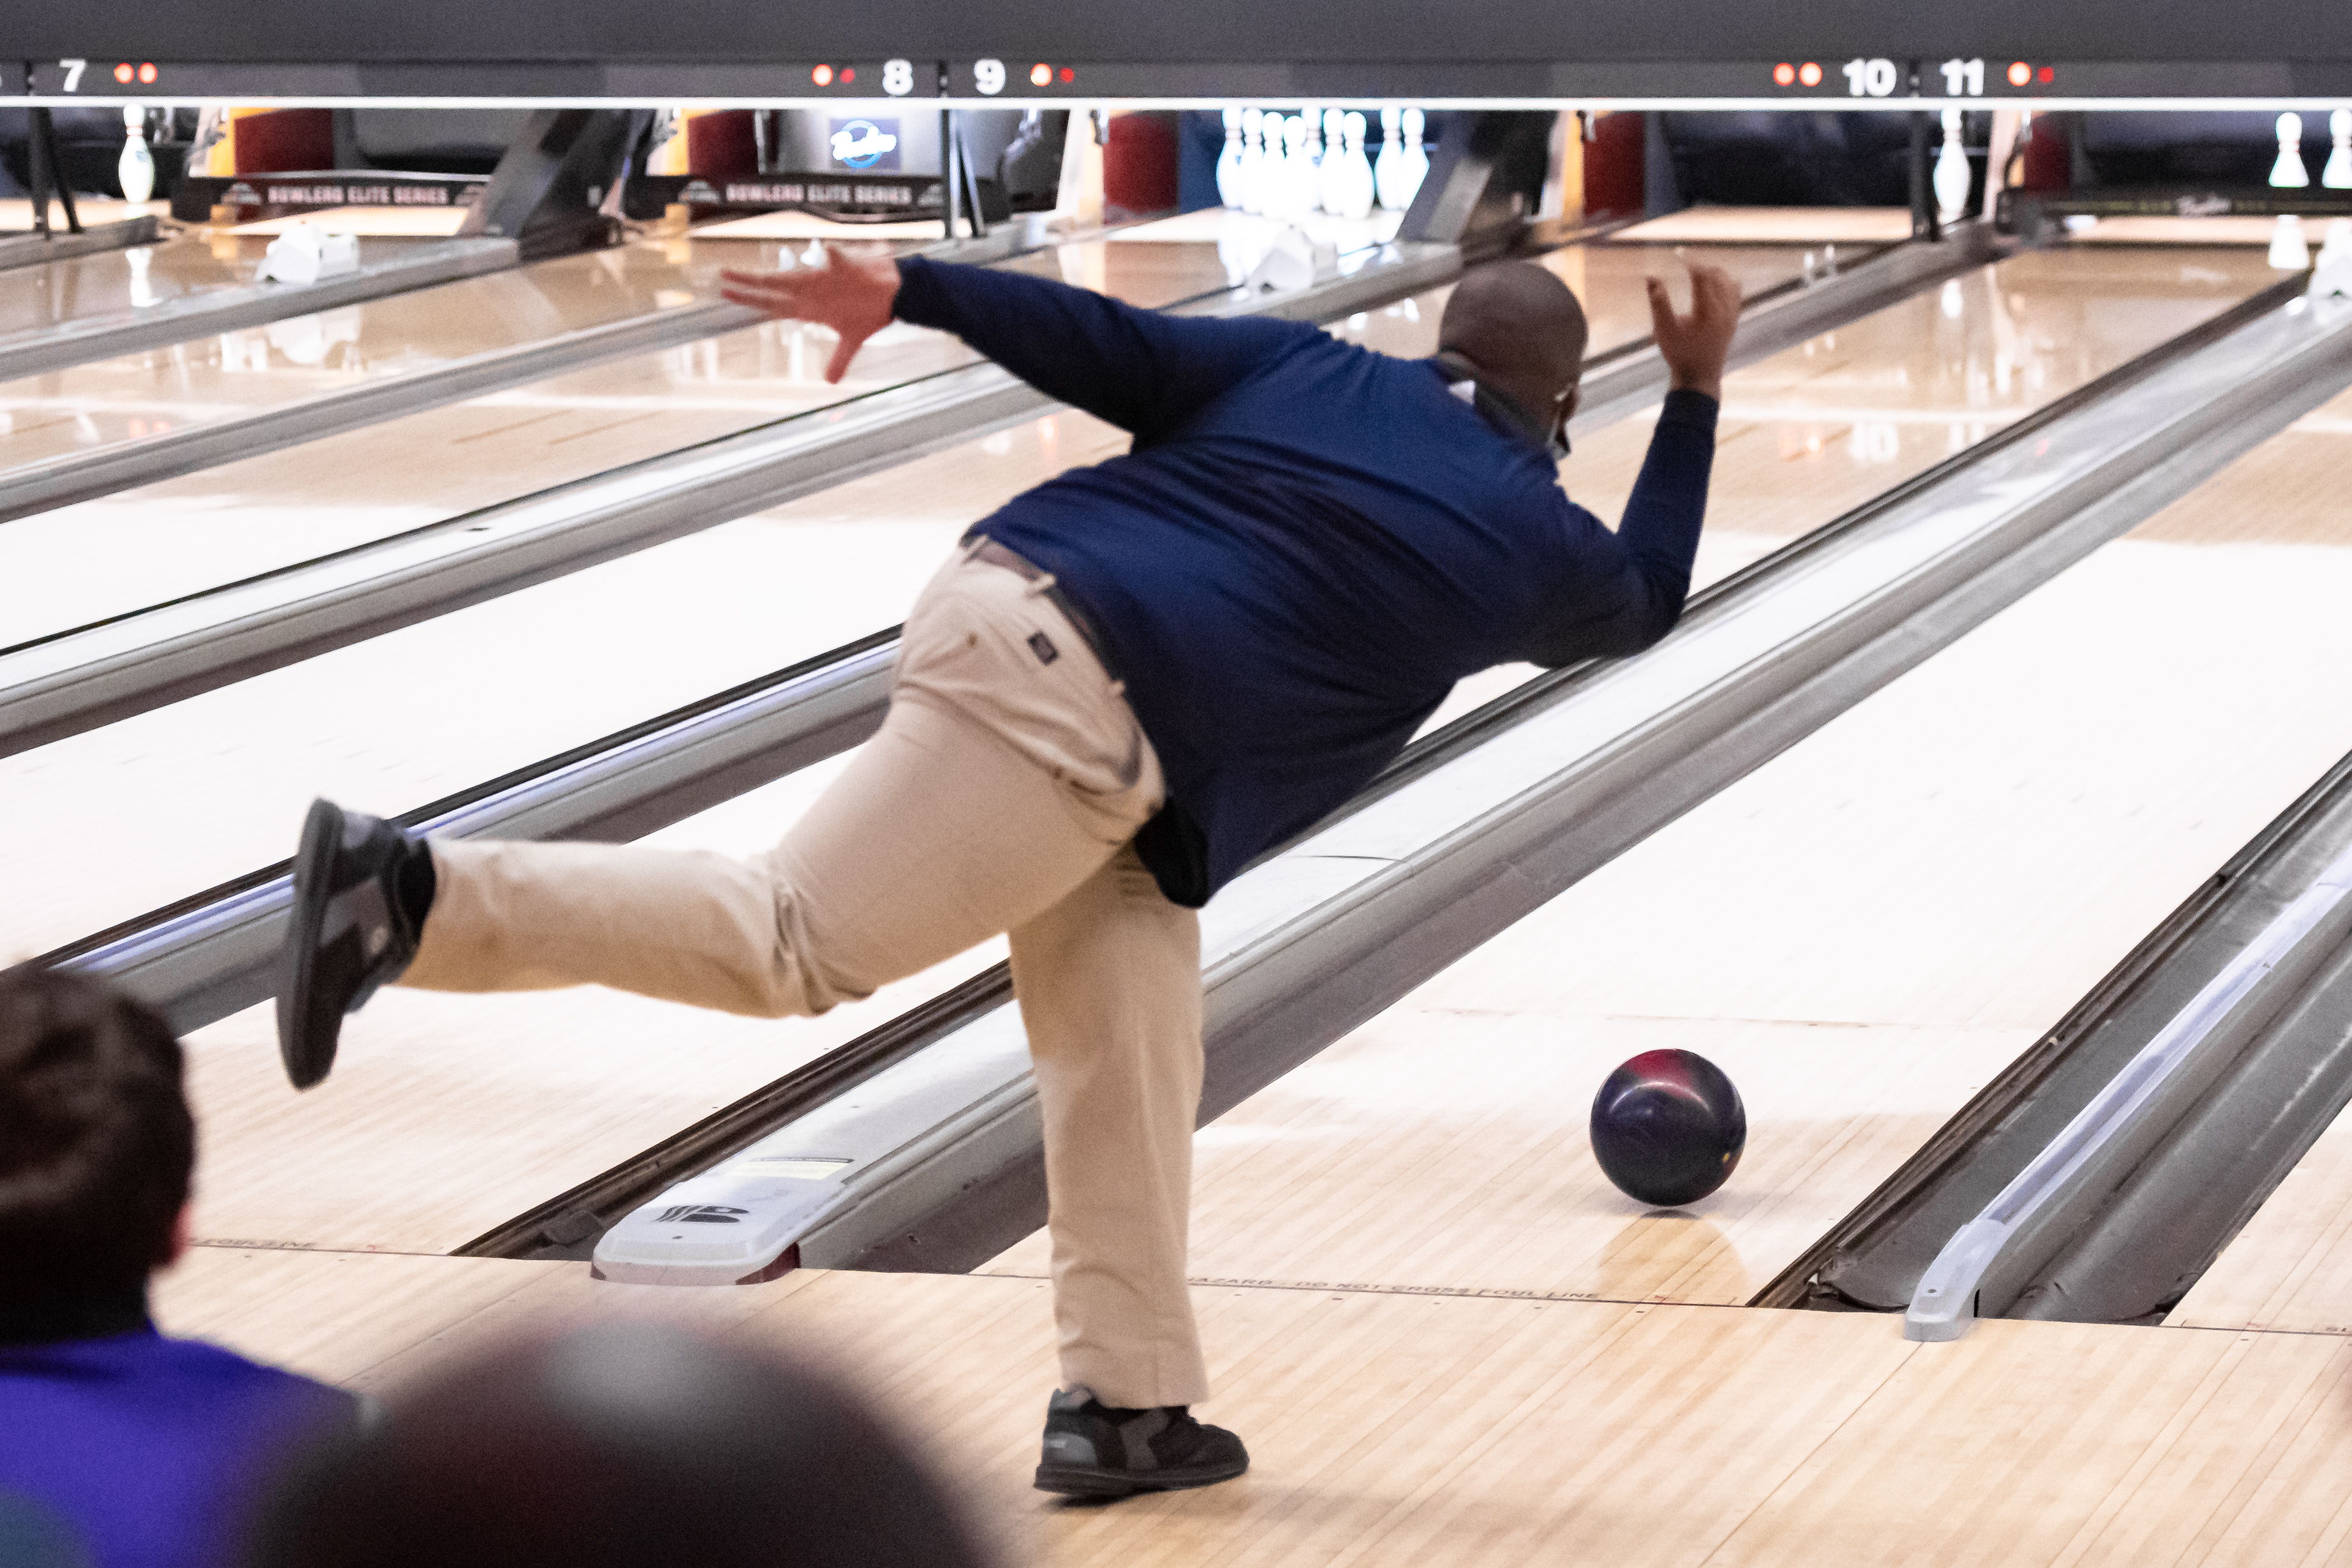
x=898, y=78
x=988, y=77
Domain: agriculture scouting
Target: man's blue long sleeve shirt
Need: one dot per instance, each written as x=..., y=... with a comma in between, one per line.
x=1308, y=544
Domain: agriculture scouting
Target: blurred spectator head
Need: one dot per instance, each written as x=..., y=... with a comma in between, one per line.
x=96, y=1143
x=629, y=1445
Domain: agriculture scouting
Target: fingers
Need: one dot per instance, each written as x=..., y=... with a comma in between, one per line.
x=843, y=351
x=1662, y=320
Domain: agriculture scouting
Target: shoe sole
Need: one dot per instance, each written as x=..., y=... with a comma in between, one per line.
x=1081, y=1480
x=314, y=862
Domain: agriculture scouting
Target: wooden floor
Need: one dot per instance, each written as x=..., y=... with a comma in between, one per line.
x=114, y=404
x=1860, y=932
x=113, y=282
x=411, y=1146
x=1414, y=1428
x=1791, y=225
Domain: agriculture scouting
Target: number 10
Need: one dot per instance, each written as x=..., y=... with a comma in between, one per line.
x=1874, y=78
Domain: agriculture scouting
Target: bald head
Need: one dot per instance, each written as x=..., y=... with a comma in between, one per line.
x=1521, y=327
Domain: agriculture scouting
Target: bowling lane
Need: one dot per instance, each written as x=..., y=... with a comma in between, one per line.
x=184, y=535
x=1817, y=429
x=760, y=593
x=111, y=282
x=1861, y=933
x=408, y=717
x=581, y=657
x=111, y=405
x=1608, y=277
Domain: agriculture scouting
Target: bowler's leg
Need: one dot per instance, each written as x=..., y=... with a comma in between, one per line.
x=1109, y=985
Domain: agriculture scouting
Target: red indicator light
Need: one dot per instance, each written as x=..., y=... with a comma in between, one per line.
x=2047, y=74
x=1809, y=74
x=848, y=74
x=122, y=73
x=1069, y=75
x=147, y=73
x=1784, y=74
x=1040, y=75
x=2020, y=73
x=821, y=76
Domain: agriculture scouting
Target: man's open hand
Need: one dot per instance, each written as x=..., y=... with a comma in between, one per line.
x=1694, y=346
x=853, y=293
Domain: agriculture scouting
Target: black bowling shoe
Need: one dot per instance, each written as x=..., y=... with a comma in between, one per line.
x=350, y=932
x=1093, y=1449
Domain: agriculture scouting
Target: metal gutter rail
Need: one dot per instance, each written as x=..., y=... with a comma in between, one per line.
x=77, y=341
x=2017, y=1233
x=935, y=1161
x=33, y=249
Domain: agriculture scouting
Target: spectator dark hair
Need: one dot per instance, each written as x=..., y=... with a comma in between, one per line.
x=622, y=1446
x=96, y=1141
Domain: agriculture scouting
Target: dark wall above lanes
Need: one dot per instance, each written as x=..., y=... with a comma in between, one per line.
x=1416, y=48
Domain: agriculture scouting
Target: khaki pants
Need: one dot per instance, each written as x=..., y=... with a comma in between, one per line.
x=999, y=796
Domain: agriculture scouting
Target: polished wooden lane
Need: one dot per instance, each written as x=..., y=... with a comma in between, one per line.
x=1608, y=277
x=1791, y=225
x=224, y=523
x=111, y=405
x=1819, y=429
x=115, y=282
x=617, y=642
x=1861, y=933
x=403, y=719
x=1463, y=1431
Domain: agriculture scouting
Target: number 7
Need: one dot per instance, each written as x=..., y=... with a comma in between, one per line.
x=73, y=74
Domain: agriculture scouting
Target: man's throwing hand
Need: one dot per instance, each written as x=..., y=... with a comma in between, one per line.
x=853, y=293
x=1694, y=346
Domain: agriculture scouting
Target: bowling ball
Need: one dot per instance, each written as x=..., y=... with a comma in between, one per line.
x=1667, y=1127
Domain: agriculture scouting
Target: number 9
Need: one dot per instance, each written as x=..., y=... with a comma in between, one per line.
x=988, y=75
x=898, y=78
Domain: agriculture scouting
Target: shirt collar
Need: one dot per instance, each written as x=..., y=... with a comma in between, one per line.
x=1501, y=410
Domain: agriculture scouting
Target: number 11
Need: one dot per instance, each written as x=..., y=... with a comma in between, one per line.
x=1964, y=77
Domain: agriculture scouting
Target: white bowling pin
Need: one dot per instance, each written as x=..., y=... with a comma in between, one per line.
x=2337, y=175
x=1252, y=169
x=1331, y=174
x=1229, y=161
x=1356, y=172
x=1416, y=161
x=137, y=165
x=1298, y=171
x=1384, y=168
x=1951, y=171
x=2289, y=171
x=1273, y=175
x=2290, y=252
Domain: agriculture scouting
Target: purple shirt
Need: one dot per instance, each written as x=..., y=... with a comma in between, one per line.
x=157, y=1450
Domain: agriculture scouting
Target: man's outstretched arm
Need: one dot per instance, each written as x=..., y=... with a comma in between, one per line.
x=1657, y=539
x=1139, y=369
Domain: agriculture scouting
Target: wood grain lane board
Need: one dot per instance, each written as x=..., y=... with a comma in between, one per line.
x=70, y=680
x=2278, y=510
x=1326, y=935
x=429, y=1045
x=411, y=1060
x=66, y=317
x=1463, y=1431
x=780, y=581
x=567, y=1218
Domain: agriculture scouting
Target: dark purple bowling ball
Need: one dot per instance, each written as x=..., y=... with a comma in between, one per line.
x=1668, y=1127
